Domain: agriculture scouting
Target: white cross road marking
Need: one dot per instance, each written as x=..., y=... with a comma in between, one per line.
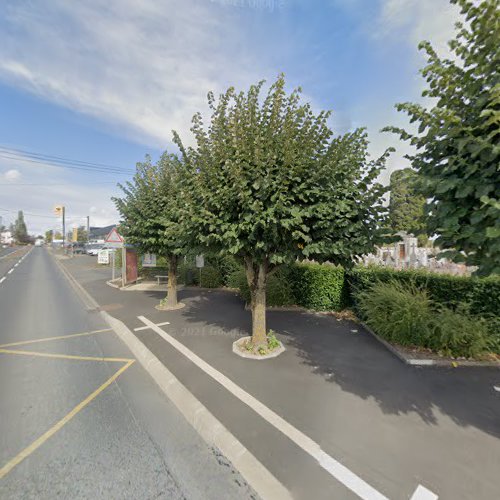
x=148, y=327
x=422, y=493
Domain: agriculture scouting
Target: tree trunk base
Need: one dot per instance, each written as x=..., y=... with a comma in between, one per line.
x=239, y=349
x=167, y=307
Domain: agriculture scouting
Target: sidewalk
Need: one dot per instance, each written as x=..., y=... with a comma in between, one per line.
x=394, y=426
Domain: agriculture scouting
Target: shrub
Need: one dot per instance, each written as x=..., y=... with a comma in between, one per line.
x=318, y=286
x=459, y=334
x=210, y=277
x=188, y=275
x=237, y=279
x=399, y=313
x=406, y=315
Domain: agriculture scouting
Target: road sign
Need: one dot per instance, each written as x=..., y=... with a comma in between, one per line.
x=149, y=260
x=200, y=261
x=59, y=210
x=114, y=237
x=103, y=257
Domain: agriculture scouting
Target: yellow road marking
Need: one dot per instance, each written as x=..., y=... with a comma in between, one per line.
x=25, y=342
x=36, y=444
x=64, y=356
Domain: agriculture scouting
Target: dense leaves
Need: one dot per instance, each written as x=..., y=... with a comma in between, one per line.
x=271, y=182
x=457, y=143
x=406, y=206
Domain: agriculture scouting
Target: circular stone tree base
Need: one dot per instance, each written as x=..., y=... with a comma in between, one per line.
x=241, y=351
x=179, y=305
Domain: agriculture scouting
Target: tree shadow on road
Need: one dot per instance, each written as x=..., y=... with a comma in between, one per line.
x=343, y=353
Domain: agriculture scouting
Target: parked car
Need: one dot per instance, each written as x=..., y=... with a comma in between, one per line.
x=93, y=248
x=77, y=247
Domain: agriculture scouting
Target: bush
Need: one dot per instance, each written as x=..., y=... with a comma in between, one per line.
x=406, y=315
x=318, y=286
x=480, y=295
x=210, y=277
x=398, y=313
x=188, y=275
x=237, y=279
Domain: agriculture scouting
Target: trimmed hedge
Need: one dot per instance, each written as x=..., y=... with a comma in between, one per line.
x=279, y=291
x=210, y=277
x=482, y=294
x=320, y=287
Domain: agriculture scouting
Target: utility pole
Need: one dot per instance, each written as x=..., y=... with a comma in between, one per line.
x=88, y=228
x=64, y=225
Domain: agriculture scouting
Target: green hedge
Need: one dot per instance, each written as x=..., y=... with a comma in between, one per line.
x=210, y=277
x=320, y=287
x=279, y=291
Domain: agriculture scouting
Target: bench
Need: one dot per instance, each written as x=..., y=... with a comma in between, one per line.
x=160, y=276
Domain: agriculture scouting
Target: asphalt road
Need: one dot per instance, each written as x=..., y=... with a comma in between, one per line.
x=397, y=427
x=78, y=417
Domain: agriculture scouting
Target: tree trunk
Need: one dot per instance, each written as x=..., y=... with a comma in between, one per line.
x=256, y=277
x=172, y=281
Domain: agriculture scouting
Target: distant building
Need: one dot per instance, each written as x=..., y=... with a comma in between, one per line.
x=6, y=238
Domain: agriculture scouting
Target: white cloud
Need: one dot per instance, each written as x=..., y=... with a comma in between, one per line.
x=11, y=175
x=43, y=186
x=143, y=67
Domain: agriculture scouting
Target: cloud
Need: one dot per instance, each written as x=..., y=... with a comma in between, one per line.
x=37, y=188
x=11, y=175
x=417, y=20
x=143, y=67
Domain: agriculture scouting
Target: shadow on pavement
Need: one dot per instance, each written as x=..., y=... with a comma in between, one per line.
x=342, y=353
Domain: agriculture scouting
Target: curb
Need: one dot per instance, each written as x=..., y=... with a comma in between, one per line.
x=201, y=419
x=429, y=362
x=273, y=354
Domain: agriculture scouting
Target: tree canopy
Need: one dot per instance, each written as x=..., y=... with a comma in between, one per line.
x=270, y=184
x=457, y=142
x=20, y=231
x=151, y=215
x=406, y=205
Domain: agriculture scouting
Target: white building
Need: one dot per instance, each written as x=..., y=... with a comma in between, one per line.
x=6, y=238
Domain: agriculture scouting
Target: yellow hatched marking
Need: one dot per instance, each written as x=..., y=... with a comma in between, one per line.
x=41, y=440
x=64, y=356
x=26, y=342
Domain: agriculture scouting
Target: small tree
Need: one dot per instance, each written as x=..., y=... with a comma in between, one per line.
x=406, y=206
x=457, y=140
x=270, y=185
x=20, y=232
x=150, y=212
x=49, y=236
x=82, y=234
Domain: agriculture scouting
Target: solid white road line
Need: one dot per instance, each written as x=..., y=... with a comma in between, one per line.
x=422, y=493
x=2, y=280
x=147, y=327
x=332, y=466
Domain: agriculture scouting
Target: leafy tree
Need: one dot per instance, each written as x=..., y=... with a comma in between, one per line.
x=406, y=206
x=269, y=184
x=58, y=236
x=82, y=234
x=49, y=235
x=150, y=212
x=457, y=143
x=20, y=232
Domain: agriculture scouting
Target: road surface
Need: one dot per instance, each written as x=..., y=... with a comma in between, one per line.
x=79, y=417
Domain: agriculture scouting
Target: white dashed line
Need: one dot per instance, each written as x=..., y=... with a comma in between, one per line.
x=497, y=388
x=10, y=271
x=2, y=280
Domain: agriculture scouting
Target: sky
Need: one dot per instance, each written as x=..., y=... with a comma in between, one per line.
x=107, y=82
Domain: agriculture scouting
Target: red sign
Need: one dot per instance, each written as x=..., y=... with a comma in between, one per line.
x=113, y=237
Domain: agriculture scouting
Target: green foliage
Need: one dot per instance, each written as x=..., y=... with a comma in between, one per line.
x=319, y=287
x=405, y=315
x=406, y=206
x=210, y=277
x=279, y=288
x=270, y=183
x=20, y=232
x=49, y=236
x=457, y=153
x=81, y=234
x=481, y=296
x=237, y=279
x=151, y=208
x=272, y=341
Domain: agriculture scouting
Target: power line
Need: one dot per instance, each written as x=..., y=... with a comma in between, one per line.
x=61, y=162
